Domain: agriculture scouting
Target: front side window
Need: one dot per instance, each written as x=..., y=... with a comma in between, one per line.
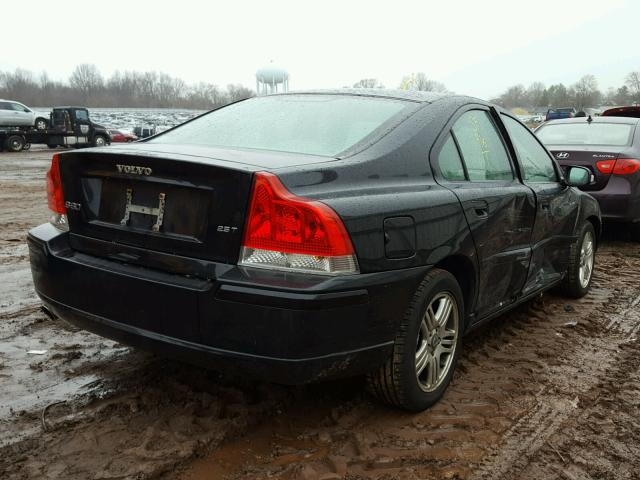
x=536, y=163
x=82, y=115
x=450, y=162
x=482, y=149
x=312, y=124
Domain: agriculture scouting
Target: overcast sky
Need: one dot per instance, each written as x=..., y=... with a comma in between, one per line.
x=475, y=47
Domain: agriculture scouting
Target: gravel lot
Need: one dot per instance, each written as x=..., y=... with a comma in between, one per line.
x=549, y=391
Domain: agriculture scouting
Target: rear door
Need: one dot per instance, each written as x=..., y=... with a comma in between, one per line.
x=5, y=114
x=556, y=207
x=474, y=164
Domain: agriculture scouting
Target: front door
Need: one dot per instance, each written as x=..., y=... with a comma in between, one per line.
x=556, y=207
x=82, y=124
x=22, y=116
x=6, y=113
x=498, y=208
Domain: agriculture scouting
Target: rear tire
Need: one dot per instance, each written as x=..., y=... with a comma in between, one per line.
x=426, y=347
x=577, y=282
x=14, y=143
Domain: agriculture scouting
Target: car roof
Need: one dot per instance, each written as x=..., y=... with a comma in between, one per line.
x=627, y=120
x=410, y=95
x=65, y=107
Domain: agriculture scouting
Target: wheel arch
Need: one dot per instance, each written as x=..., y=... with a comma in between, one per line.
x=597, y=226
x=464, y=271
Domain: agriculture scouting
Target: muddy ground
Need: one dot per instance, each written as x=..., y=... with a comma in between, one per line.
x=549, y=391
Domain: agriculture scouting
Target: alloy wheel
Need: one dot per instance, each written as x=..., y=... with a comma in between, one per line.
x=586, y=260
x=437, y=340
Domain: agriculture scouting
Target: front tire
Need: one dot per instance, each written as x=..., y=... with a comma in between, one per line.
x=581, y=262
x=41, y=124
x=426, y=347
x=99, y=141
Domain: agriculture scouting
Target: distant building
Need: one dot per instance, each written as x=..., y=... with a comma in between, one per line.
x=271, y=79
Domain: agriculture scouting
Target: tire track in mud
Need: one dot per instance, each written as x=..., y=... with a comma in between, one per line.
x=532, y=431
x=520, y=381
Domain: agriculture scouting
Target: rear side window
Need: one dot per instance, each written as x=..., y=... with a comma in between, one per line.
x=482, y=149
x=536, y=164
x=450, y=162
x=311, y=124
x=4, y=106
x=616, y=134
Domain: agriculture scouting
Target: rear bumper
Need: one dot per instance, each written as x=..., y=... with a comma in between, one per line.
x=281, y=327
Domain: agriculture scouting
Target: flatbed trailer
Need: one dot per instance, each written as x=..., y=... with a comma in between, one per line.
x=69, y=127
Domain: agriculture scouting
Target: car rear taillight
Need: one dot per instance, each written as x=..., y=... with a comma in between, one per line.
x=55, y=197
x=605, y=166
x=621, y=166
x=287, y=232
x=626, y=166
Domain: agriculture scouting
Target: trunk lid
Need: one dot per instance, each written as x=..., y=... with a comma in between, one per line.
x=191, y=206
x=588, y=157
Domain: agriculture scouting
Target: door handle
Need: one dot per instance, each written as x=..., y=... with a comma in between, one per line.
x=481, y=212
x=480, y=208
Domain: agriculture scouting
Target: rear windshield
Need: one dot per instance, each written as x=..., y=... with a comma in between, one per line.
x=586, y=134
x=311, y=124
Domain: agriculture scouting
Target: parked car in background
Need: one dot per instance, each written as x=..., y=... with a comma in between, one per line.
x=118, y=136
x=304, y=236
x=632, y=112
x=16, y=114
x=557, y=113
x=610, y=148
x=144, y=131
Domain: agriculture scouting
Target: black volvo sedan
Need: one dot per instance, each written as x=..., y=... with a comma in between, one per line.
x=304, y=236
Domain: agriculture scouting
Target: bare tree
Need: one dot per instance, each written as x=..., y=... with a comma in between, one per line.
x=515, y=96
x=537, y=95
x=633, y=82
x=585, y=92
x=420, y=81
x=238, y=92
x=86, y=78
x=121, y=89
x=368, y=83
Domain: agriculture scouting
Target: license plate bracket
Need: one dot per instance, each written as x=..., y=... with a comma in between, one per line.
x=157, y=212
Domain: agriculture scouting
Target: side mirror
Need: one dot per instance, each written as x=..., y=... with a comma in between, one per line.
x=579, y=176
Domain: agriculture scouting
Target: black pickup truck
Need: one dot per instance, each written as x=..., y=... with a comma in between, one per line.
x=304, y=236
x=68, y=127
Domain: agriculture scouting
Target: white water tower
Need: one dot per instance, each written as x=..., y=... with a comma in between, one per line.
x=271, y=79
